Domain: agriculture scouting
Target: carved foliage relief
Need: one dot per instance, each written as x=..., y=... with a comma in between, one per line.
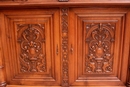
x=99, y=43
x=31, y=41
x=64, y=20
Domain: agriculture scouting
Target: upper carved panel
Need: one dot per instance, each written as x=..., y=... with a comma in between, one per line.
x=99, y=41
x=31, y=39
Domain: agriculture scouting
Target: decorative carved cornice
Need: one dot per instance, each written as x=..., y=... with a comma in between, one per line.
x=3, y=84
x=65, y=67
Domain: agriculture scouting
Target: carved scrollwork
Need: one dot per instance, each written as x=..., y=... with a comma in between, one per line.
x=31, y=39
x=100, y=40
x=64, y=20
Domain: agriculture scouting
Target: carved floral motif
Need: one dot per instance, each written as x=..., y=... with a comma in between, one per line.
x=31, y=39
x=100, y=40
x=64, y=19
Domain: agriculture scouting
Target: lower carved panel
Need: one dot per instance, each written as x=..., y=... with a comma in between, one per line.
x=99, y=43
x=32, y=44
x=31, y=38
x=98, y=47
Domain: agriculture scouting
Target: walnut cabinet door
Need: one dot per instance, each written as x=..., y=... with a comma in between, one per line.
x=98, y=40
x=31, y=46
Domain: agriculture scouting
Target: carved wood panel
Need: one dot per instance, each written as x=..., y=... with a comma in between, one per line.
x=31, y=43
x=99, y=42
x=97, y=46
x=31, y=38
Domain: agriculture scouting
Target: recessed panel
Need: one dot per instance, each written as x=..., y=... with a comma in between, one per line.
x=97, y=43
x=32, y=48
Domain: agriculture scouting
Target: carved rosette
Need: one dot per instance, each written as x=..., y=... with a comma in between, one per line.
x=31, y=40
x=99, y=41
x=65, y=76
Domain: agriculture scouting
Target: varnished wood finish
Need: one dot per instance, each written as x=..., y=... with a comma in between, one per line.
x=64, y=43
x=56, y=3
x=32, y=39
x=61, y=86
x=128, y=48
x=98, y=41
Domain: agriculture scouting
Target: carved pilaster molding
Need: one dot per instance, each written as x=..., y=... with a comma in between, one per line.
x=65, y=67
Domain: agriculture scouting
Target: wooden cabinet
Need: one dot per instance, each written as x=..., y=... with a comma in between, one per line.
x=64, y=46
